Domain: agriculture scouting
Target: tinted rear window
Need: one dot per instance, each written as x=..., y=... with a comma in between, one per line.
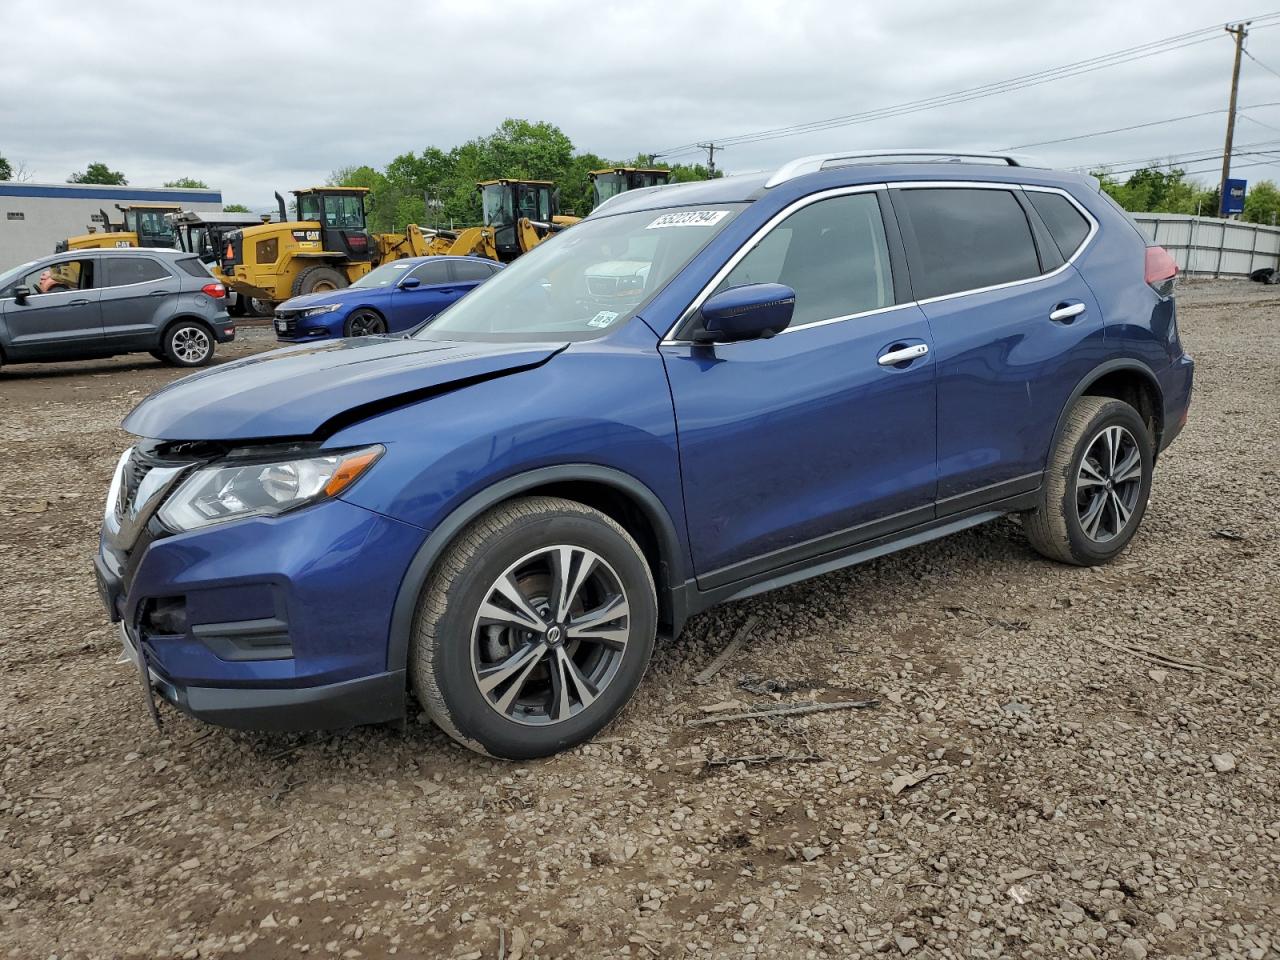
x=434, y=272
x=125, y=270
x=965, y=239
x=471, y=270
x=194, y=267
x=1067, y=224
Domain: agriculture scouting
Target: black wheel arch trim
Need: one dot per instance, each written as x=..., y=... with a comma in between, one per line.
x=1092, y=377
x=670, y=577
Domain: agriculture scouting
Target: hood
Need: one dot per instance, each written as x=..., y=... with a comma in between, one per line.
x=329, y=296
x=311, y=390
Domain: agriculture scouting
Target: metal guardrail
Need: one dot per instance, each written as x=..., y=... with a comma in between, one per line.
x=1207, y=246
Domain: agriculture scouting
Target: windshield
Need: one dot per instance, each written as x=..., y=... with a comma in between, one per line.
x=608, y=185
x=496, y=200
x=386, y=275
x=153, y=225
x=581, y=282
x=9, y=276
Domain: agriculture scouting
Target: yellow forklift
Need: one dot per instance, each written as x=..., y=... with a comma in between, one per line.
x=615, y=180
x=142, y=225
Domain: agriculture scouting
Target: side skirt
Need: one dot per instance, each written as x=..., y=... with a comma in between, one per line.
x=689, y=599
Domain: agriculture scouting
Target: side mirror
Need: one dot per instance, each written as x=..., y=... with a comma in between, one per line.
x=409, y=283
x=746, y=312
x=20, y=294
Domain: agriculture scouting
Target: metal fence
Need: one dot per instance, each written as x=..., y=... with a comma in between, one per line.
x=1207, y=246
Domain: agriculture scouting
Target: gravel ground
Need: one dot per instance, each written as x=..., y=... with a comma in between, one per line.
x=1025, y=786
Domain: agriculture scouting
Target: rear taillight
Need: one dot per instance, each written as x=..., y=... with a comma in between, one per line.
x=1161, y=271
x=215, y=290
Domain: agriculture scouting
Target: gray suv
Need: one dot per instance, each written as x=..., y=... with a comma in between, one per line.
x=85, y=304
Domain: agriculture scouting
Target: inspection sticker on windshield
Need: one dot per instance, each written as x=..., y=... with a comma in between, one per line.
x=689, y=218
x=603, y=318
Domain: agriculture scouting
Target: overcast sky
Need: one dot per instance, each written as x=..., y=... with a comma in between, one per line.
x=253, y=96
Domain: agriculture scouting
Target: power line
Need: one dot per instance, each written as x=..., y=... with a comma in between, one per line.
x=1152, y=48
x=1103, y=133
x=1260, y=63
x=1173, y=157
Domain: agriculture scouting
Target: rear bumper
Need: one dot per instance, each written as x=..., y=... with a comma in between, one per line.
x=375, y=699
x=1177, y=393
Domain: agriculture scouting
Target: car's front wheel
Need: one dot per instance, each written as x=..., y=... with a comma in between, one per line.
x=534, y=629
x=365, y=323
x=188, y=344
x=1096, y=486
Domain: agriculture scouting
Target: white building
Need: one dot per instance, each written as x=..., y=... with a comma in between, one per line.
x=35, y=216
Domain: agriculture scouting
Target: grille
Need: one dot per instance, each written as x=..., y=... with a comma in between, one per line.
x=286, y=323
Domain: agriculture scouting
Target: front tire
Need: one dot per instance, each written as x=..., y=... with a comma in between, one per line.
x=188, y=344
x=365, y=323
x=1096, y=486
x=534, y=628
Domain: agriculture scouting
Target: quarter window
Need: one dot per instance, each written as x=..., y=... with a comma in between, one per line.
x=1066, y=224
x=122, y=271
x=832, y=253
x=965, y=239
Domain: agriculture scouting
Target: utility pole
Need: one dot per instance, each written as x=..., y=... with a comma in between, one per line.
x=1239, y=32
x=711, y=156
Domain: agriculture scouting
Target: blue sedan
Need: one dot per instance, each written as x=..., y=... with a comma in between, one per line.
x=393, y=297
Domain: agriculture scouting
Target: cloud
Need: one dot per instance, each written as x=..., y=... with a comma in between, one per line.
x=255, y=97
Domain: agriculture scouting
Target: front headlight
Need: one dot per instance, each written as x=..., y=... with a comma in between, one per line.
x=320, y=311
x=233, y=491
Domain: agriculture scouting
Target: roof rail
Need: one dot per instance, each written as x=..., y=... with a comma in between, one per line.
x=813, y=164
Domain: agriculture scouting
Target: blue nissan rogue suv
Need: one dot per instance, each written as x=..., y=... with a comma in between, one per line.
x=701, y=392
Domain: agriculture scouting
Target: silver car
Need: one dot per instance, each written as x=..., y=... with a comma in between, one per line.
x=85, y=304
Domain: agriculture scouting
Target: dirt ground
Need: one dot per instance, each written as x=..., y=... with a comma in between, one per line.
x=1078, y=794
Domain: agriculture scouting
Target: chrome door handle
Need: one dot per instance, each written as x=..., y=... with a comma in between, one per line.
x=1068, y=312
x=906, y=353
x=78, y=303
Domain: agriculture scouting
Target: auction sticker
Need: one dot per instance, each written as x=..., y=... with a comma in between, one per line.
x=603, y=318
x=689, y=218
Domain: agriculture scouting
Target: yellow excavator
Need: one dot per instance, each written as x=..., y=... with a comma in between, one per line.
x=142, y=225
x=615, y=180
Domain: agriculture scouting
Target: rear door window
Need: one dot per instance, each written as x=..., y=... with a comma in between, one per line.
x=123, y=271
x=469, y=270
x=431, y=273
x=1066, y=224
x=964, y=239
x=832, y=253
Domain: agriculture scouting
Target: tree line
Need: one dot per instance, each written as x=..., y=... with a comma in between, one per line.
x=1156, y=190
x=437, y=187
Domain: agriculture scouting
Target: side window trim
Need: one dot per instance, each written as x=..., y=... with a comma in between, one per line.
x=993, y=185
x=679, y=331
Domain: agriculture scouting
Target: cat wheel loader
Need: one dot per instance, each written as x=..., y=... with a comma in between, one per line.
x=615, y=180
x=518, y=215
x=142, y=225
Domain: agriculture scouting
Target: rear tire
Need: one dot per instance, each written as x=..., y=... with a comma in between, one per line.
x=1096, y=486
x=520, y=685
x=317, y=280
x=188, y=344
x=364, y=323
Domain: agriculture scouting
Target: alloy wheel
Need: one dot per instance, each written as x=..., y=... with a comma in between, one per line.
x=365, y=324
x=550, y=635
x=191, y=344
x=1108, y=484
